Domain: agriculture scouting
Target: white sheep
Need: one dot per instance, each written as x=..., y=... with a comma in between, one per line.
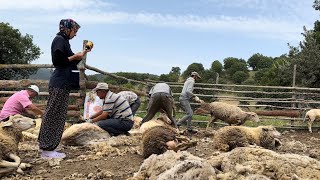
x=312, y=115
x=33, y=133
x=163, y=120
x=228, y=113
x=83, y=134
x=10, y=136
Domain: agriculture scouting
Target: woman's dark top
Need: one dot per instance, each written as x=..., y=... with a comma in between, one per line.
x=63, y=77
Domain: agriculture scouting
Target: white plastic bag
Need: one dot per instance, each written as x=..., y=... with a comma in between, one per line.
x=92, y=105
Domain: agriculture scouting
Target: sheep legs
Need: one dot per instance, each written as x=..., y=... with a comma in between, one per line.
x=210, y=122
x=309, y=125
x=10, y=166
x=185, y=145
x=16, y=162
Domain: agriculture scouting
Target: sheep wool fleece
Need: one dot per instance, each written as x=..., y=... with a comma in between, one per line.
x=54, y=119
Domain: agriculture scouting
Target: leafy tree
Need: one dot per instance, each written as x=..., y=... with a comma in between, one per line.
x=258, y=61
x=317, y=31
x=175, y=70
x=239, y=77
x=16, y=49
x=137, y=76
x=316, y=5
x=208, y=76
x=164, y=77
x=280, y=73
x=228, y=62
x=173, y=75
x=198, y=67
x=237, y=66
x=216, y=66
x=307, y=56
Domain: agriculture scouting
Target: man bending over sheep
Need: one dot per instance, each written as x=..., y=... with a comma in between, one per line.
x=116, y=116
x=133, y=100
x=20, y=103
x=160, y=100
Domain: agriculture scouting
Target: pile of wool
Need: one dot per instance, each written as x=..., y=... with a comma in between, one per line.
x=242, y=162
x=175, y=165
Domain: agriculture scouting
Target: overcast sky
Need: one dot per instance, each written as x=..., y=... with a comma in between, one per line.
x=151, y=36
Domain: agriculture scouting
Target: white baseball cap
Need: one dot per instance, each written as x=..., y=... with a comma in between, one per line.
x=34, y=88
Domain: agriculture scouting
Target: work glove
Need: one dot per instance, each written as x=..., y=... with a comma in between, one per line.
x=88, y=120
x=198, y=100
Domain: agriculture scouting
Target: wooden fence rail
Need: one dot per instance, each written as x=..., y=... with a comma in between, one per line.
x=270, y=102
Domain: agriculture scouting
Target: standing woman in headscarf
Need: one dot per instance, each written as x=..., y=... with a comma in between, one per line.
x=61, y=82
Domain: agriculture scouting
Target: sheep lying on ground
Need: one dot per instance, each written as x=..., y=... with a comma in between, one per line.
x=312, y=115
x=159, y=139
x=33, y=133
x=83, y=134
x=10, y=136
x=230, y=137
x=175, y=165
x=228, y=113
x=163, y=120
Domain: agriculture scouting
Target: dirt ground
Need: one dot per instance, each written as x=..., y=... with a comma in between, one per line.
x=87, y=163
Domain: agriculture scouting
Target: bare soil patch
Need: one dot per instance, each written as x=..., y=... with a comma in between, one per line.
x=85, y=163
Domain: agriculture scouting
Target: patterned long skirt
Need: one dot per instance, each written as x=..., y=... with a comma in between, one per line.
x=53, y=119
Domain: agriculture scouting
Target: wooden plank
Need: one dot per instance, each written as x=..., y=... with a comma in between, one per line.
x=9, y=93
x=234, y=85
x=43, y=107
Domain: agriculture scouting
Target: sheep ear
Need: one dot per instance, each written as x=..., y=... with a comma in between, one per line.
x=265, y=129
x=7, y=124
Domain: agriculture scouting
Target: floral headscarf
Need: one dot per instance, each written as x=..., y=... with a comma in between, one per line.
x=66, y=25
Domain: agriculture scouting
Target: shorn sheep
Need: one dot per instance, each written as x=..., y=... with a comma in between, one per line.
x=312, y=115
x=10, y=136
x=230, y=137
x=228, y=113
x=163, y=120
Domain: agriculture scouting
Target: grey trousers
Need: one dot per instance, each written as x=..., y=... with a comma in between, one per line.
x=185, y=103
x=160, y=101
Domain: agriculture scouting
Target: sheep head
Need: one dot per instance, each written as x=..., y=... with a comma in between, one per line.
x=269, y=138
x=271, y=130
x=19, y=122
x=253, y=116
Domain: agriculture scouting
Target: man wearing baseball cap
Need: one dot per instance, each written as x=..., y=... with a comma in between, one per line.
x=116, y=116
x=185, y=97
x=20, y=103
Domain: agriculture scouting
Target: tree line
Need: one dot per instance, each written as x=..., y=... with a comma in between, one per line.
x=16, y=48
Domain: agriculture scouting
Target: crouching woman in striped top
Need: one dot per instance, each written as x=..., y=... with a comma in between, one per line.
x=116, y=116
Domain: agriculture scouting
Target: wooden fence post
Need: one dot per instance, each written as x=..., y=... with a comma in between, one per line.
x=293, y=104
x=217, y=78
x=83, y=78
